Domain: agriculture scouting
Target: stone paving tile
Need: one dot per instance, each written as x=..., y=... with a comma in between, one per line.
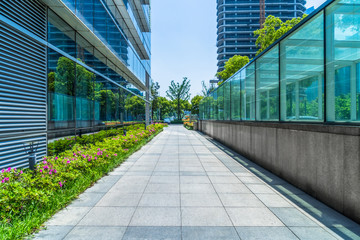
x=162, y=188
x=254, y=180
x=69, y=216
x=209, y=233
x=194, y=179
x=240, y=200
x=273, y=200
x=96, y=233
x=108, y=216
x=331, y=218
x=202, y=216
x=184, y=185
x=192, y=173
x=165, y=173
x=259, y=188
x=231, y=188
x=253, y=217
x=164, y=179
x=265, y=233
x=160, y=200
x=200, y=200
x=224, y=179
x=53, y=233
x=128, y=188
x=119, y=199
x=196, y=188
x=87, y=199
x=152, y=233
x=312, y=233
x=100, y=188
x=293, y=217
x=156, y=216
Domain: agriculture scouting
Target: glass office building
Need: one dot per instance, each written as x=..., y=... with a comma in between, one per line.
x=238, y=19
x=69, y=68
x=311, y=74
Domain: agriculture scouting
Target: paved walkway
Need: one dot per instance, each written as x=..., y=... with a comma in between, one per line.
x=183, y=185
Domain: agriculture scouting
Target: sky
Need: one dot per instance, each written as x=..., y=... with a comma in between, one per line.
x=184, y=41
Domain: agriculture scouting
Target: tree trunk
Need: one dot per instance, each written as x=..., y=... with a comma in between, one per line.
x=178, y=108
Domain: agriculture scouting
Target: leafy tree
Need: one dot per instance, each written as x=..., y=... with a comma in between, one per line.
x=135, y=105
x=233, y=65
x=185, y=105
x=165, y=106
x=195, y=101
x=205, y=90
x=178, y=92
x=273, y=29
x=155, y=94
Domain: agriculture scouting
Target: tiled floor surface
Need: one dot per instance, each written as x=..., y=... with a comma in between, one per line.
x=183, y=185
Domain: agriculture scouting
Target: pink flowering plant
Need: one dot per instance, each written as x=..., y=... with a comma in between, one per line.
x=59, y=179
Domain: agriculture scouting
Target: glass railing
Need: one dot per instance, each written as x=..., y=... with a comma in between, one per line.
x=310, y=75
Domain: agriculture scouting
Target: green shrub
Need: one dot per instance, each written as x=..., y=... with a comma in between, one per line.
x=58, y=146
x=58, y=179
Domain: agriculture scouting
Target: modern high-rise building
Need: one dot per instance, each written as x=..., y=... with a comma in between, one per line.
x=238, y=19
x=68, y=67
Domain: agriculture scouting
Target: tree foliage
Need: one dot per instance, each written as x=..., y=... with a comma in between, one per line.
x=154, y=89
x=166, y=107
x=273, y=29
x=195, y=101
x=178, y=92
x=136, y=106
x=233, y=65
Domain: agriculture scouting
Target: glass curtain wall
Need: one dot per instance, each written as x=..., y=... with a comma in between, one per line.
x=293, y=81
x=84, y=95
x=96, y=16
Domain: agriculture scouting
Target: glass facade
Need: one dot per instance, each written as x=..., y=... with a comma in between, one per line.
x=310, y=75
x=85, y=93
x=97, y=16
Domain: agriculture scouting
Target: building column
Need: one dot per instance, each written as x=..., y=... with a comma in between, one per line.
x=147, y=104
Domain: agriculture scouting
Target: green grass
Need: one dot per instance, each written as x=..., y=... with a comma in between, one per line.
x=31, y=222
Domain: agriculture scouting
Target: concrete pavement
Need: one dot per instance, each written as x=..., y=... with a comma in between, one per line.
x=184, y=185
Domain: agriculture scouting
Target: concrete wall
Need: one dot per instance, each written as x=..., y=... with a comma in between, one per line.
x=322, y=160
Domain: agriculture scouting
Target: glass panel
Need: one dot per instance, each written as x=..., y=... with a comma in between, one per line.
x=220, y=103
x=343, y=56
x=100, y=104
x=85, y=12
x=84, y=92
x=214, y=109
x=227, y=98
x=85, y=51
x=247, y=84
x=302, y=73
x=61, y=86
x=235, y=97
x=60, y=34
x=135, y=108
x=267, y=86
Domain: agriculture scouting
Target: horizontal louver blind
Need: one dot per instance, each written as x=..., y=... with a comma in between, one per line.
x=29, y=14
x=22, y=82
